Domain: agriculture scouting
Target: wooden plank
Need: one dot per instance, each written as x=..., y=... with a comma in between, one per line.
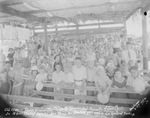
x=131, y=13
x=88, y=88
x=45, y=35
x=20, y=106
x=20, y=14
x=84, y=97
x=54, y=102
x=62, y=95
x=72, y=32
x=12, y=4
x=84, y=33
x=123, y=101
x=45, y=101
x=80, y=25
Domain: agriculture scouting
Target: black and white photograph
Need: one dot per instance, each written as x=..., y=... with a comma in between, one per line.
x=74, y=58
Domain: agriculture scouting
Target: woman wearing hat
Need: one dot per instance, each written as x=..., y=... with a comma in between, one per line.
x=103, y=85
x=110, y=69
x=30, y=83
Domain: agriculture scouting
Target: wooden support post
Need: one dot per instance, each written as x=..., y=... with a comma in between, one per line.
x=33, y=29
x=77, y=26
x=45, y=35
x=125, y=30
x=145, y=41
x=56, y=28
x=33, y=32
x=2, y=38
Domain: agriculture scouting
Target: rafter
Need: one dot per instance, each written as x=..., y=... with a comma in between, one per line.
x=131, y=13
x=13, y=12
x=18, y=3
x=145, y=9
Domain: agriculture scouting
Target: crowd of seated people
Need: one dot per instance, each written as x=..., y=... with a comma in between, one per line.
x=104, y=67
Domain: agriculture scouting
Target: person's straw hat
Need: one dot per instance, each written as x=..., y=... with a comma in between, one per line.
x=39, y=86
x=103, y=98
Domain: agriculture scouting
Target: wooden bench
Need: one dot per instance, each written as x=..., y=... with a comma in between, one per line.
x=34, y=99
x=85, y=97
x=42, y=101
x=54, y=102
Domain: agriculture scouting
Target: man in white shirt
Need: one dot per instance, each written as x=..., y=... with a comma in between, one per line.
x=69, y=77
x=69, y=80
x=57, y=77
x=135, y=75
x=129, y=54
x=137, y=83
x=80, y=76
x=91, y=73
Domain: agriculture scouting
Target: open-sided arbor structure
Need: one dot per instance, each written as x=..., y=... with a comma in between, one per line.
x=42, y=13
x=46, y=15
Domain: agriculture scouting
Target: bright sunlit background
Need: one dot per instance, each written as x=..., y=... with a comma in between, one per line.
x=134, y=25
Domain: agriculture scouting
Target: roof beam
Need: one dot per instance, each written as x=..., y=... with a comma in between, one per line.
x=131, y=13
x=146, y=8
x=98, y=31
x=12, y=4
x=20, y=14
x=82, y=25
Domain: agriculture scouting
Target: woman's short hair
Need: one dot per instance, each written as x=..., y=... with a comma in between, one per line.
x=56, y=56
x=117, y=70
x=133, y=68
x=58, y=64
x=78, y=58
x=34, y=70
